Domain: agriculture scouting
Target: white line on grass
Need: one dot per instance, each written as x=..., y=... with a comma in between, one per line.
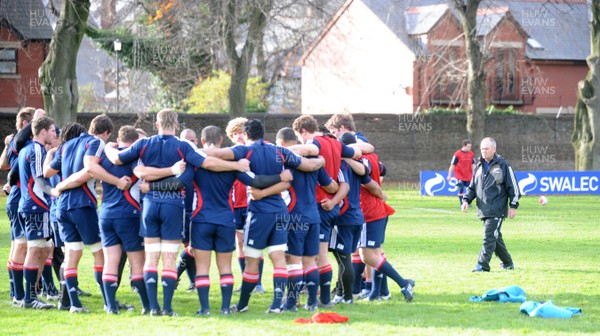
x=434, y=210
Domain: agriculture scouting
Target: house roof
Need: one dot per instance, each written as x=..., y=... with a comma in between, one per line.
x=488, y=19
x=392, y=14
x=326, y=30
x=557, y=31
x=562, y=29
x=420, y=20
x=28, y=18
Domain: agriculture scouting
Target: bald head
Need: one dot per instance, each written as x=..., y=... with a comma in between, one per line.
x=190, y=135
x=488, y=148
x=489, y=141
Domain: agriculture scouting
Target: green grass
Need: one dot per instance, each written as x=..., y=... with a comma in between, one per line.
x=555, y=249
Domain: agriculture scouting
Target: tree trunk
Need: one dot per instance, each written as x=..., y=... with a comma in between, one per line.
x=261, y=60
x=476, y=104
x=237, y=88
x=476, y=75
x=108, y=13
x=240, y=64
x=586, y=128
x=58, y=77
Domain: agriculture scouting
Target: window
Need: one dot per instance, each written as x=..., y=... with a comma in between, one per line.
x=505, y=74
x=8, y=61
x=452, y=73
x=450, y=77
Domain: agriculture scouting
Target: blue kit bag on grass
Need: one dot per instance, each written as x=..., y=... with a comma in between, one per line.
x=506, y=294
x=547, y=310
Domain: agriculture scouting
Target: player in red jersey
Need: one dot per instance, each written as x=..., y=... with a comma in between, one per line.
x=462, y=166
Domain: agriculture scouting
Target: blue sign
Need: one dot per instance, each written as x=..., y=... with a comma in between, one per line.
x=434, y=183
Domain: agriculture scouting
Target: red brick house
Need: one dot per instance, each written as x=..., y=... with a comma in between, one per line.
x=25, y=34
x=401, y=56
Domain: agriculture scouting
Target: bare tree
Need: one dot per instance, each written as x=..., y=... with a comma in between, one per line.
x=240, y=62
x=109, y=13
x=58, y=77
x=248, y=37
x=293, y=26
x=476, y=75
x=586, y=133
x=181, y=43
x=167, y=39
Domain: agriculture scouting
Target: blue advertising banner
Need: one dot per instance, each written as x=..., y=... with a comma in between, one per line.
x=434, y=183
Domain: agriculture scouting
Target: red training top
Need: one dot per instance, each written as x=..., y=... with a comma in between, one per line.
x=463, y=165
x=373, y=208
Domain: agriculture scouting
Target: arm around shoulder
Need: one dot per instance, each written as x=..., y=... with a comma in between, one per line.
x=112, y=154
x=364, y=147
x=309, y=165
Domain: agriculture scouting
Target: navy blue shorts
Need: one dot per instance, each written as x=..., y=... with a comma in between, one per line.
x=121, y=231
x=239, y=217
x=328, y=221
x=187, y=227
x=58, y=241
x=79, y=225
x=344, y=238
x=265, y=229
x=213, y=237
x=303, y=239
x=17, y=226
x=462, y=186
x=162, y=220
x=37, y=225
x=374, y=233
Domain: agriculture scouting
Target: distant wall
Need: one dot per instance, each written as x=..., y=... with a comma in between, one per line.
x=409, y=143
x=22, y=88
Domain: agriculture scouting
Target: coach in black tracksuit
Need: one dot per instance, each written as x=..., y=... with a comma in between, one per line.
x=494, y=184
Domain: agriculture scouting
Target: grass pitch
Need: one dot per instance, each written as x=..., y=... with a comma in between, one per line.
x=554, y=247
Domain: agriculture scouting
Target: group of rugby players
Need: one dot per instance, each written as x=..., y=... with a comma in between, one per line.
x=317, y=190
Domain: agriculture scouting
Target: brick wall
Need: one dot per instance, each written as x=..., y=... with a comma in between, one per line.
x=22, y=89
x=407, y=143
